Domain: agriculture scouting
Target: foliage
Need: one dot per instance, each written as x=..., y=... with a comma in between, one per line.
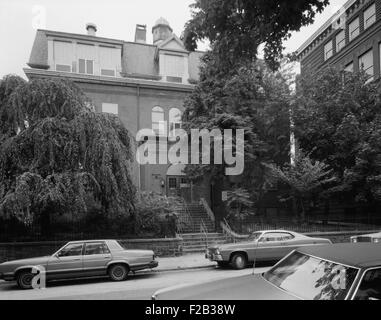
x=235, y=28
x=239, y=204
x=307, y=180
x=255, y=100
x=338, y=120
x=154, y=210
x=56, y=155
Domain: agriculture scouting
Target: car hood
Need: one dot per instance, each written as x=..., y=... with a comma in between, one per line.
x=248, y=287
x=232, y=246
x=31, y=261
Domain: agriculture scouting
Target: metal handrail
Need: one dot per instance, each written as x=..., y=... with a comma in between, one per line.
x=185, y=218
x=207, y=209
x=228, y=231
x=204, y=231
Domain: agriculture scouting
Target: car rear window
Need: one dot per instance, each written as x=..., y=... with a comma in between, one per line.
x=312, y=278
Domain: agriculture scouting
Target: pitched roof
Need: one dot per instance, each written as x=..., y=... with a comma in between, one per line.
x=138, y=59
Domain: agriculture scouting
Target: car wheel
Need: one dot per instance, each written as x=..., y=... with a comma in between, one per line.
x=24, y=279
x=118, y=272
x=239, y=261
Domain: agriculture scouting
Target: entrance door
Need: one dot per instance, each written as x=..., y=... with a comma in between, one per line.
x=179, y=186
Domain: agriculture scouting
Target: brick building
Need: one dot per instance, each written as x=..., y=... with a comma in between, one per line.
x=349, y=40
x=144, y=84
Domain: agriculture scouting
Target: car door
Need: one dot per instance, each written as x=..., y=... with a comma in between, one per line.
x=96, y=258
x=270, y=246
x=67, y=262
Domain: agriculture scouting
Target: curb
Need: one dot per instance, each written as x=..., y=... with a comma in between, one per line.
x=179, y=269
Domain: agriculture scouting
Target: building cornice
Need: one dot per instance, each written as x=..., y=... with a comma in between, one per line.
x=326, y=25
x=129, y=82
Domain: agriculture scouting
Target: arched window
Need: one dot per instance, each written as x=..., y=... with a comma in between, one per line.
x=174, y=121
x=158, y=122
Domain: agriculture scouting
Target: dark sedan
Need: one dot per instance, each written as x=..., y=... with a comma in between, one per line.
x=329, y=272
x=80, y=259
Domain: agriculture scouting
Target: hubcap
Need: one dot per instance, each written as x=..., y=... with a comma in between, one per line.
x=239, y=261
x=27, y=280
x=118, y=272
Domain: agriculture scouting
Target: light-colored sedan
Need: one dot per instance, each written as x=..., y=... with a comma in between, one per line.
x=80, y=259
x=372, y=237
x=269, y=245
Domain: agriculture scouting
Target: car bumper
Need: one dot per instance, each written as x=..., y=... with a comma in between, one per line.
x=213, y=257
x=7, y=276
x=153, y=264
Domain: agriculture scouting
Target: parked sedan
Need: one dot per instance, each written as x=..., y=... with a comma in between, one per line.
x=345, y=271
x=372, y=237
x=81, y=259
x=270, y=245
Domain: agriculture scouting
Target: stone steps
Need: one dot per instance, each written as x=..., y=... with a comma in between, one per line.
x=198, y=242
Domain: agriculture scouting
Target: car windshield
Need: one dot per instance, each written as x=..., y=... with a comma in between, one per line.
x=312, y=278
x=255, y=236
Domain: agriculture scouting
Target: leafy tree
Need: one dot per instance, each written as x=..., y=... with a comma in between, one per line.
x=239, y=205
x=256, y=100
x=307, y=181
x=338, y=120
x=57, y=156
x=236, y=28
x=236, y=90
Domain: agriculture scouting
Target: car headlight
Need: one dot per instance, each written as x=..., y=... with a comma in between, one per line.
x=218, y=251
x=354, y=240
x=376, y=240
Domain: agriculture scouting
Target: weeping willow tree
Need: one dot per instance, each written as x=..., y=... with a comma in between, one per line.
x=57, y=156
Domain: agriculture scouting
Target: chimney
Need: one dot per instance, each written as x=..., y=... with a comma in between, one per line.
x=141, y=33
x=91, y=29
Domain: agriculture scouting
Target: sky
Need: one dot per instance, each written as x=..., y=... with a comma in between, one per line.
x=19, y=20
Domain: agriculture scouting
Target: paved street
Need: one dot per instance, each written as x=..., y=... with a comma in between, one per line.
x=140, y=286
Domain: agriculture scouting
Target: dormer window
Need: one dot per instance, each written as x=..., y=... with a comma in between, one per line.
x=86, y=66
x=86, y=58
x=173, y=67
x=62, y=56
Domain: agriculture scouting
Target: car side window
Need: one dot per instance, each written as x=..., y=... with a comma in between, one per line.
x=96, y=248
x=271, y=237
x=287, y=236
x=370, y=286
x=74, y=249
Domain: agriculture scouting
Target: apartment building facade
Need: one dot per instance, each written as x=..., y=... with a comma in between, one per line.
x=145, y=84
x=350, y=40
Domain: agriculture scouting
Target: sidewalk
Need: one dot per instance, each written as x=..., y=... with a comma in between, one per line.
x=187, y=261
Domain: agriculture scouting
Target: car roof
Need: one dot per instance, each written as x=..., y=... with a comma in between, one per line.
x=87, y=241
x=377, y=234
x=360, y=255
x=277, y=230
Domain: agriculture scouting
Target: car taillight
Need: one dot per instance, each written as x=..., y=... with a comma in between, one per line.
x=376, y=240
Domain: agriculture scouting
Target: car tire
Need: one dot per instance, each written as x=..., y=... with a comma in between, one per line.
x=24, y=280
x=239, y=261
x=118, y=272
